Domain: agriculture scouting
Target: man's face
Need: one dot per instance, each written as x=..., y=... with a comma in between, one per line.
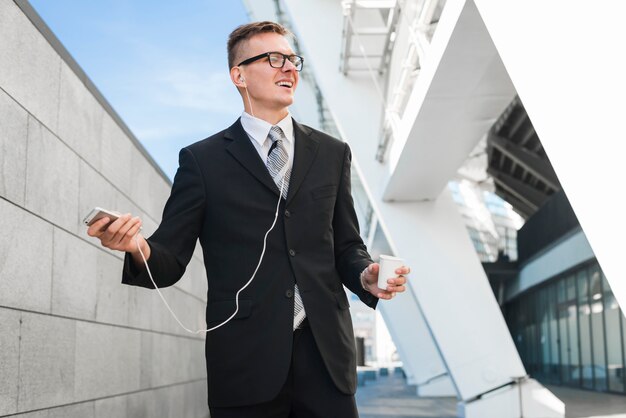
x=268, y=87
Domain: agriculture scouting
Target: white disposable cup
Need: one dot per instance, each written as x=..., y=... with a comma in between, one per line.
x=387, y=269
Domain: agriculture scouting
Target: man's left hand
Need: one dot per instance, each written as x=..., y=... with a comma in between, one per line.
x=369, y=281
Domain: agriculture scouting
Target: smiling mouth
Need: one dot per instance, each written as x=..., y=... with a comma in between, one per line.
x=287, y=84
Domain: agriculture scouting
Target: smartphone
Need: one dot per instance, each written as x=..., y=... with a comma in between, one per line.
x=99, y=213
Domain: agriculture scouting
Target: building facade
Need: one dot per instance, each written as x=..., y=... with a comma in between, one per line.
x=564, y=318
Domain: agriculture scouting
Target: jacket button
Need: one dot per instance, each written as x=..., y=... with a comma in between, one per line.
x=289, y=293
x=287, y=214
x=292, y=253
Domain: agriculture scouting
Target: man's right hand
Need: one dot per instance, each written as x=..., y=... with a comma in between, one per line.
x=120, y=236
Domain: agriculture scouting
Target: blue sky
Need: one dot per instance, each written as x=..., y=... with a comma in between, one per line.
x=160, y=64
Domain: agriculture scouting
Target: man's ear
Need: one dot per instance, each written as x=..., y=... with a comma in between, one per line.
x=237, y=77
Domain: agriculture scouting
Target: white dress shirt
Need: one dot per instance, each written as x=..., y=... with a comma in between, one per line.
x=258, y=131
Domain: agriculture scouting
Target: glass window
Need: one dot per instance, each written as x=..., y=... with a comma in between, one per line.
x=615, y=366
x=568, y=327
x=584, y=321
x=572, y=332
x=525, y=308
x=597, y=328
x=544, y=338
x=554, y=336
x=531, y=336
x=572, y=324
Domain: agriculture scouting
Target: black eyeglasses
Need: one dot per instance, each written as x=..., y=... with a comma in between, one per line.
x=277, y=60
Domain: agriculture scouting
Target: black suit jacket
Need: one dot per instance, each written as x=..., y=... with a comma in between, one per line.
x=224, y=195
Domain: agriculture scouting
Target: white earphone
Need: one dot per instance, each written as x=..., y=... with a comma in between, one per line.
x=243, y=80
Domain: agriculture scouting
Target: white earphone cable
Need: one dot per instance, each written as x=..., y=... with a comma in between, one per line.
x=249, y=102
x=282, y=185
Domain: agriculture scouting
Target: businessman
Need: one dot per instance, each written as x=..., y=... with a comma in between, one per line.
x=289, y=351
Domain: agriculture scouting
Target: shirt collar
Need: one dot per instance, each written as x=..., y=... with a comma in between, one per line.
x=258, y=129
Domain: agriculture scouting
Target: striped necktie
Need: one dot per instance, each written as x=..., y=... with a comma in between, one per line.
x=277, y=159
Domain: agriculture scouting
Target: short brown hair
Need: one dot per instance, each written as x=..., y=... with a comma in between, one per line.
x=244, y=32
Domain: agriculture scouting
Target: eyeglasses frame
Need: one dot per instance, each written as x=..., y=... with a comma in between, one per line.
x=267, y=54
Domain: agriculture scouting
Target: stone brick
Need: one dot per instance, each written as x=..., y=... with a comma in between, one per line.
x=186, y=400
x=140, y=307
x=81, y=410
x=149, y=190
x=140, y=187
x=116, y=155
x=94, y=190
x=168, y=362
x=46, y=362
x=197, y=360
x=175, y=359
x=9, y=360
x=145, y=378
x=112, y=407
x=13, y=131
x=25, y=259
x=170, y=359
x=112, y=298
x=141, y=405
x=161, y=190
x=74, y=276
x=80, y=117
x=171, y=401
x=107, y=360
x=29, y=68
x=195, y=396
x=51, y=178
x=36, y=414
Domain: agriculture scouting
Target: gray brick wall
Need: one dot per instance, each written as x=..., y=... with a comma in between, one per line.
x=74, y=341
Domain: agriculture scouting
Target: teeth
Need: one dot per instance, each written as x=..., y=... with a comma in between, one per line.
x=284, y=83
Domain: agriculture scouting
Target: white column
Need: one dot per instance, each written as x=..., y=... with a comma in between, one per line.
x=356, y=108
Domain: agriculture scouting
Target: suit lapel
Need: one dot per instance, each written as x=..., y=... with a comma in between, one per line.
x=243, y=151
x=305, y=149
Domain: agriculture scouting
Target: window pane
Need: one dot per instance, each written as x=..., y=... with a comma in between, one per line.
x=544, y=339
x=563, y=314
x=554, y=336
x=597, y=328
x=584, y=320
x=572, y=322
x=529, y=334
x=568, y=331
x=613, y=339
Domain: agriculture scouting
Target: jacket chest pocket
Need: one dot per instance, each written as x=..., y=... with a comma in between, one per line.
x=324, y=191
